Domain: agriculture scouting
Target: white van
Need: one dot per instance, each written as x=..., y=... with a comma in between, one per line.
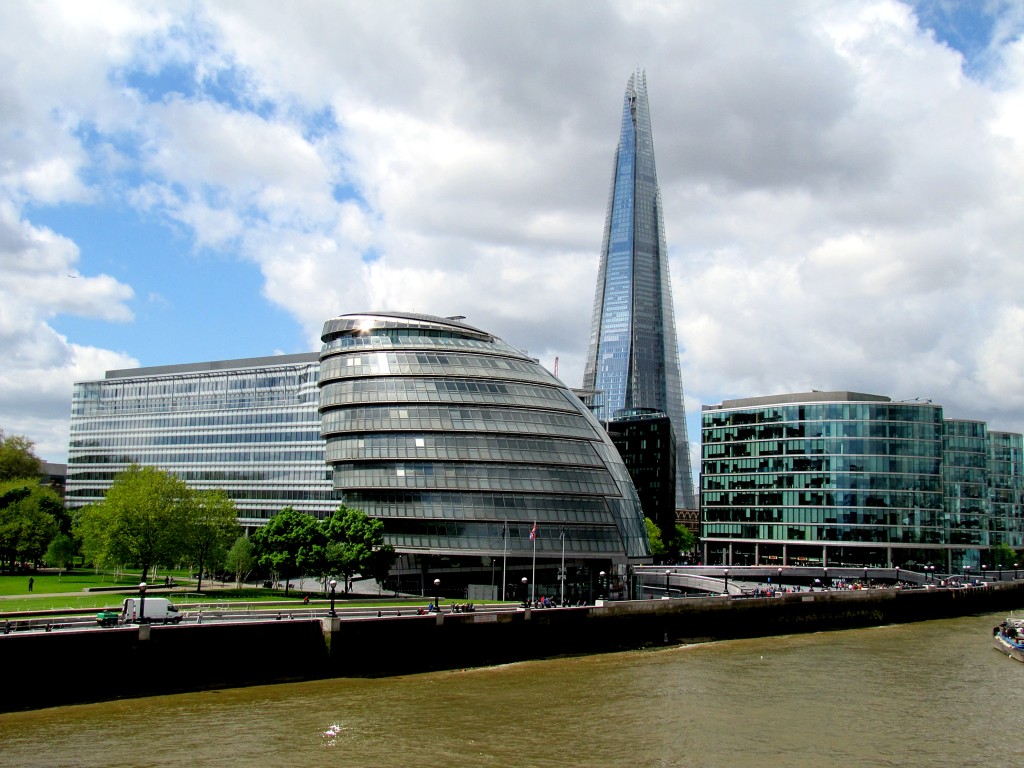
x=157, y=609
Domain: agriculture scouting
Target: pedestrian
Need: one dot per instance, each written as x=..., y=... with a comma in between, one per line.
x=31, y=581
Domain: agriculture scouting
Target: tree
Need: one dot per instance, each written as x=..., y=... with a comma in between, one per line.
x=17, y=458
x=61, y=551
x=285, y=543
x=354, y=543
x=684, y=540
x=654, y=535
x=241, y=559
x=91, y=528
x=28, y=519
x=211, y=527
x=142, y=521
x=1003, y=555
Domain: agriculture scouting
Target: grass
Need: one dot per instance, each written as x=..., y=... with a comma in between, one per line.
x=52, y=591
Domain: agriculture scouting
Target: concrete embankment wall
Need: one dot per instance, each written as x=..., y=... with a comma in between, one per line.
x=57, y=668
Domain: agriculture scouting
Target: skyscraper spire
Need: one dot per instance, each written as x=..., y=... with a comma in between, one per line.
x=633, y=355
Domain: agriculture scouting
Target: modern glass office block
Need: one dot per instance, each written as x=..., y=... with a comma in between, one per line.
x=843, y=478
x=822, y=477
x=463, y=445
x=633, y=356
x=250, y=427
x=1006, y=489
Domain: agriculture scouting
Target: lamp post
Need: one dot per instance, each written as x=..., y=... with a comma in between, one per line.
x=824, y=577
x=333, y=585
x=526, y=601
x=984, y=568
x=865, y=575
x=142, y=601
x=437, y=595
x=967, y=574
x=668, y=582
x=602, y=583
x=780, y=577
x=897, y=575
x=726, y=582
x=1014, y=571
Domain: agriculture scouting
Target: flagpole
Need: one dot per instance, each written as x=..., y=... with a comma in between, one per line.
x=533, y=573
x=504, y=560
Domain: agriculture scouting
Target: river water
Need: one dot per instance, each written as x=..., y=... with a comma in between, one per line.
x=928, y=694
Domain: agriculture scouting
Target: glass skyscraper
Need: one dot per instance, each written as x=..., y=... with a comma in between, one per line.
x=633, y=356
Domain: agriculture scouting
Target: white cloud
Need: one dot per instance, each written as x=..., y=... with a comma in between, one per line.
x=843, y=204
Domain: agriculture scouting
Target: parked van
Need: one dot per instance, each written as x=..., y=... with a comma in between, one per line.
x=157, y=609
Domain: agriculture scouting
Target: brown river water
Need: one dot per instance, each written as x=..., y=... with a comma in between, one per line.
x=927, y=694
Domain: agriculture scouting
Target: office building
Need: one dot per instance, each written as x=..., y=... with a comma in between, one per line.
x=845, y=478
x=250, y=427
x=647, y=445
x=633, y=357
x=469, y=450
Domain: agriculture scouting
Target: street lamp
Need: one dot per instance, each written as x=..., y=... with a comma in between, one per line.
x=1014, y=571
x=437, y=595
x=142, y=601
x=824, y=572
x=526, y=601
x=983, y=569
x=897, y=575
x=333, y=585
x=668, y=583
x=780, y=577
x=967, y=574
x=865, y=575
x=603, y=583
x=727, y=582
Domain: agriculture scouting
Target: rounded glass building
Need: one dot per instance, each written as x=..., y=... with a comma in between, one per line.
x=466, y=447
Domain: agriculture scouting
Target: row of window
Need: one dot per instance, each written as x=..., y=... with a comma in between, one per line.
x=191, y=421
x=887, y=430
x=841, y=499
x=837, y=534
x=474, y=477
x=823, y=446
x=768, y=481
x=382, y=418
x=786, y=464
x=300, y=455
x=501, y=507
x=832, y=411
x=391, y=390
x=470, y=447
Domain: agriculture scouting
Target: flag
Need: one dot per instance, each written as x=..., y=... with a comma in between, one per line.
x=533, y=533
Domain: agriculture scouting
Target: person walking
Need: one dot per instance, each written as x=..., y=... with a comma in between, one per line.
x=31, y=581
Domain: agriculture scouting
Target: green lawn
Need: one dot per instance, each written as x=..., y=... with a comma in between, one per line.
x=51, y=591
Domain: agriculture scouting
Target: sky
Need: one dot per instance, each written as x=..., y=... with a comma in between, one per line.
x=188, y=181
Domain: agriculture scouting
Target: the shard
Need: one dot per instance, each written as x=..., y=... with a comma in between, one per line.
x=633, y=357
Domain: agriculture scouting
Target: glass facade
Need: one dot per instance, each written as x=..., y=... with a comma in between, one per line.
x=461, y=444
x=1006, y=489
x=633, y=356
x=250, y=427
x=647, y=445
x=850, y=479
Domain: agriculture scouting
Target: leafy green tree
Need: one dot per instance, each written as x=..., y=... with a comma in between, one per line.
x=1004, y=555
x=143, y=519
x=241, y=559
x=28, y=519
x=354, y=543
x=684, y=540
x=17, y=458
x=61, y=552
x=212, y=527
x=286, y=543
x=91, y=528
x=654, y=535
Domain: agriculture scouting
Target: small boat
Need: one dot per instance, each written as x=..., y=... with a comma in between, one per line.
x=1008, y=637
